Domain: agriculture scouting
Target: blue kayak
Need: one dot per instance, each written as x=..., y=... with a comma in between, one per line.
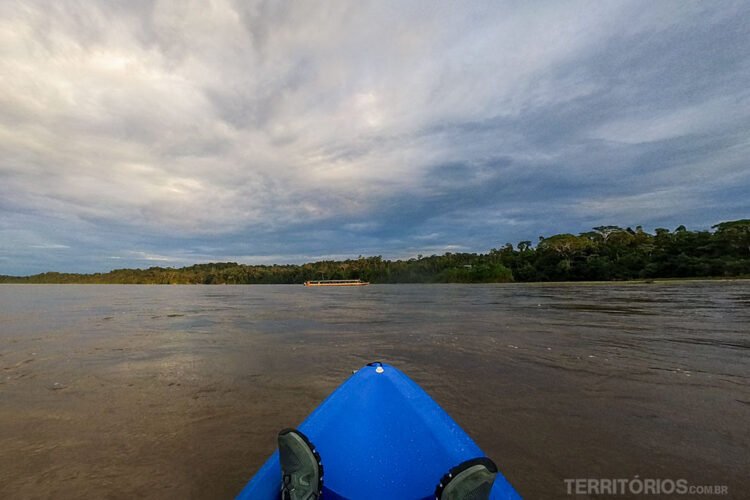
x=380, y=436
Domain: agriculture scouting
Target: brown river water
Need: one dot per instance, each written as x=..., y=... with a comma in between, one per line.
x=178, y=391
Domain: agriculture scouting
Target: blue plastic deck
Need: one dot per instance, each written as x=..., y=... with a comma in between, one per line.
x=380, y=436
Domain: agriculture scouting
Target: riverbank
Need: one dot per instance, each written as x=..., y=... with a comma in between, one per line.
x=608, y=253
x=11, y=280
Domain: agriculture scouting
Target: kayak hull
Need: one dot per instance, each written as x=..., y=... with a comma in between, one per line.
x=379, y=435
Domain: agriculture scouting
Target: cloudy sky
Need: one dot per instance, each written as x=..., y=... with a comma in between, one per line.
x=139, y=133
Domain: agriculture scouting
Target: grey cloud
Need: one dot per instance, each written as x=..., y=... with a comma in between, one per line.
x=189, y=131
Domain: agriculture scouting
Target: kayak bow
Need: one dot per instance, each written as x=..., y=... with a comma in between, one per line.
x=379, y=436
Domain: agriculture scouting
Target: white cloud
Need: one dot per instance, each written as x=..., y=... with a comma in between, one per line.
x=194, y=119
x=50, y=246
x=652, y=126
x=638, y=207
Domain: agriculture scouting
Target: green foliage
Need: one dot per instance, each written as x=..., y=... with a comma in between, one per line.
x=606, y=253
x=480, y=273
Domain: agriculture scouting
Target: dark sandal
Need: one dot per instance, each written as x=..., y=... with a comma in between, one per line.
x=301, y=467
x=470, y=480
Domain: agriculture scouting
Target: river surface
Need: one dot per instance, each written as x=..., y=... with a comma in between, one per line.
x=121, y=391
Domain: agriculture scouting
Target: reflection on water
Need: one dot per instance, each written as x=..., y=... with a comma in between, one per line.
x=168, y=392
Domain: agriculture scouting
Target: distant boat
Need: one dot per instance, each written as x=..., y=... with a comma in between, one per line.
x=336, y=283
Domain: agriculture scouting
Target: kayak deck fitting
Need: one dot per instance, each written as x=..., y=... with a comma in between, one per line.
x=380, y=436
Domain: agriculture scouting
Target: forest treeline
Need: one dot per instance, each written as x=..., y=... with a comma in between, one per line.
x=605, y=253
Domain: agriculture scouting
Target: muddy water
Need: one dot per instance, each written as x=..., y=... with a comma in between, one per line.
x=176, y=392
